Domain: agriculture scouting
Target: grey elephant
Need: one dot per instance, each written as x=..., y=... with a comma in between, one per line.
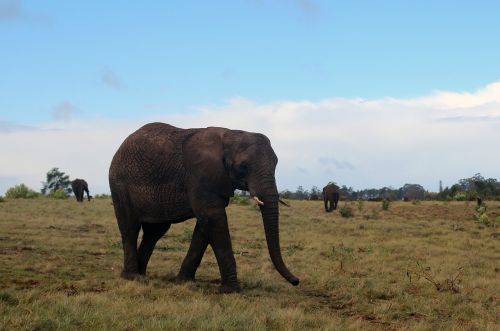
x=79, y=186
x=162, y=175
x=331, y=196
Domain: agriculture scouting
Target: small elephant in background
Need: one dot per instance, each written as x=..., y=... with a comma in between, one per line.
x=331, y=194
x=79, y=186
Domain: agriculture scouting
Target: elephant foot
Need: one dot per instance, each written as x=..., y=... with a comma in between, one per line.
x=131, y=275
x=181, y=278
x=229, y=288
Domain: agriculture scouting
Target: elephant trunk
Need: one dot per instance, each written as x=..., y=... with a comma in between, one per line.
x=270, y=217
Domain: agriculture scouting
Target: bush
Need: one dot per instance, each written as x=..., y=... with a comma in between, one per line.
x=346, y=211
x=385, y=204
x=482, y=217
x=21, y=191
x=2, y=199
x=240, y=200
x=460, y=196
x=102, y=196
x=59, y=194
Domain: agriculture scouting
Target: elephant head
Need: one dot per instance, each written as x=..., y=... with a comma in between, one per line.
x=251, y=162
x=224, y=160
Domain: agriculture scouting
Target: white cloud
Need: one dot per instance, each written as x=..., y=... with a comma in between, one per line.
x=356, y=142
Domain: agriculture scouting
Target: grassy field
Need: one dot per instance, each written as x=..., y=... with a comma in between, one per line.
x=425, y=266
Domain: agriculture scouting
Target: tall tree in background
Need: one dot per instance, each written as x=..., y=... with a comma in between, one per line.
x=56, y=180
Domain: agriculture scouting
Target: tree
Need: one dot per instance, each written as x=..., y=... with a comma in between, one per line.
x=56, y=180
x=413, y=192
x=300, y=194
x=315, y=193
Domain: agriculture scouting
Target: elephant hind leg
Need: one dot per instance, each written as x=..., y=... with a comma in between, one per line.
x=152, y=232
x=130, y=260
x=199, y=243
x=129, y=226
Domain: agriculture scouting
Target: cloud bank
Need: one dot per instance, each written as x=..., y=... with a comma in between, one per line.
x=361, y=143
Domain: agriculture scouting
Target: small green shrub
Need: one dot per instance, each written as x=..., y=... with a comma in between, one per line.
x=240, y=200
x=385, y=204
x=481, y=216
x=102, y=196
x=460, y=196
x=346, y=211
x=21, y=191
x=2, y=199
x=415, y=202
x=59, y=194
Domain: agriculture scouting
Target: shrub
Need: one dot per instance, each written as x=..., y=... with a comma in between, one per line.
x=59, y=194
x=482, y=217
x=346, y=211
x=460, y=196
x=102, y=196
x=385, y=204
x=240, y=200
x=21, y=191
x=2, y=199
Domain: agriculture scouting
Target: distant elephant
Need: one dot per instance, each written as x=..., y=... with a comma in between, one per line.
x=79, y=186
x=331, y=194
x=163, y=175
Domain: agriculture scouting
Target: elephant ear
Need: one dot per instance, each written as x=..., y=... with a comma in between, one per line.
x=203, y=155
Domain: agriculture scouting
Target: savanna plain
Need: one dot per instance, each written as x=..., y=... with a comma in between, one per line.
x=415, y=266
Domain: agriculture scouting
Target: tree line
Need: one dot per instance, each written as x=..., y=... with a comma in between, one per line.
x=57, y=184
x=465, y=189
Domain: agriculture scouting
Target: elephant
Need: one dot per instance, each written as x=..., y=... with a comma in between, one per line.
x=162, y=175
x=331, y=194
x=79, y=186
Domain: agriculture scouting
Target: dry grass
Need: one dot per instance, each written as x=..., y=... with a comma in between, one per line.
x=414, y=267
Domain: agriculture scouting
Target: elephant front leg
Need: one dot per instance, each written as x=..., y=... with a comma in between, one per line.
x=192, y=261
x=220, y=240
x=214, y=225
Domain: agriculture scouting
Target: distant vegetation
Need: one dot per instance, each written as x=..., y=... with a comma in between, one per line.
x=56, y=181
x=21, y=191
x=465, y=190
x=57, y=185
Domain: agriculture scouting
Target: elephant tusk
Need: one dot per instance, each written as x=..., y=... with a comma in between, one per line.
x=258, y=201
x=284, y=203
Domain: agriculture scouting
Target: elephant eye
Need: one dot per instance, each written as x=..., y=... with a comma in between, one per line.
x=243, y=167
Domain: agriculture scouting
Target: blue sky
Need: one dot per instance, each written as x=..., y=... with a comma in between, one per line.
x=67, y=65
